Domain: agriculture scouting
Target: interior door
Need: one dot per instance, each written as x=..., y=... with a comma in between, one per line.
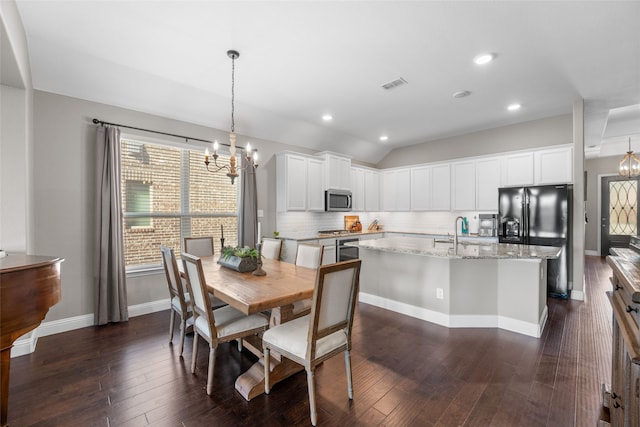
x=619, y=212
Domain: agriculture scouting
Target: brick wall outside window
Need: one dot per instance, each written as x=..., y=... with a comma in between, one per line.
x=186, y=200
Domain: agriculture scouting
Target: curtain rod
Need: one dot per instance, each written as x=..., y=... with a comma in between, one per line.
x=187, y=138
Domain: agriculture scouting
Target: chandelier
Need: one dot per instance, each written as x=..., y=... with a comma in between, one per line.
x=629, y=165
x=252, y=158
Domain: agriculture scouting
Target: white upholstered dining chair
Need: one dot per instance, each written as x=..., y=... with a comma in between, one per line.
x=180, y=299
x=214, y=326
x=326, y=332
x=199, y=246
x=271, y=248
x=310, y=256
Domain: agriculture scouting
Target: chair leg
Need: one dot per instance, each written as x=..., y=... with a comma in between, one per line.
x=212, y=364
x=267, y=370
x=239, y=344
x=183, y=328
x=312, y=396
x=194, y=353
x=347, y=362
x=172, y=320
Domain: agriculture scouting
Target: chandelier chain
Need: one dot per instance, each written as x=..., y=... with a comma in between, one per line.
x=233, y=85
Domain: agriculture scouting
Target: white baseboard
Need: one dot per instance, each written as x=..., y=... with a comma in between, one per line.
x=27, y=344
x=458, y=321
x=592, y=253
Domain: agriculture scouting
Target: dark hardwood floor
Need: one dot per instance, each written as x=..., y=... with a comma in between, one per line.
x=406, y=372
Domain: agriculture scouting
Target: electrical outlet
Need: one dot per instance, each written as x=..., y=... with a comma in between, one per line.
x=260, y=213
x=439, y=293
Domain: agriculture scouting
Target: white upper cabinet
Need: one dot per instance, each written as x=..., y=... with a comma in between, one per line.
x=487, y=183
x=315, y=185
x=371, y=190
x=517, y=169
x=337, y=172
x=357, y=189
x=464, y=185
x=421, y=188
x=396, y=190
x=299, y=183
x=553, y=166
x=441, y=187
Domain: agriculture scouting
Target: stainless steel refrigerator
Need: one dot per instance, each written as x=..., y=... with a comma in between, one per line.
x=540, y=216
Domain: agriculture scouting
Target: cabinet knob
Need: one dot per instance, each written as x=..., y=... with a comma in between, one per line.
x=630, y=309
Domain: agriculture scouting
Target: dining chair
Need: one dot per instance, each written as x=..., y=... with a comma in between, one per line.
x=214, y=326
x=180, y=299
x=271, y=248
x=199, y=246
x=310, y=256
x=326, y=332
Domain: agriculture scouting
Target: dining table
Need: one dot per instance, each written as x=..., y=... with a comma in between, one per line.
x=274, y=293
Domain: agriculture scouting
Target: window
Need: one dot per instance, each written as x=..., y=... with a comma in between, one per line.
x=167, y=194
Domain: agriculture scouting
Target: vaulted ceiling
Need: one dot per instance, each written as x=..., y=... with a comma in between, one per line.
x=301, y=60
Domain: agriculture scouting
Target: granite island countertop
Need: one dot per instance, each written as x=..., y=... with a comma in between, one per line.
x=443, y=248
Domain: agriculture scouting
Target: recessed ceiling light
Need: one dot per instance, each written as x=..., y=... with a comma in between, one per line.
x=484, y=58
x=384, y=138
x=513, y=107
x=327, y=117
x=461, y=94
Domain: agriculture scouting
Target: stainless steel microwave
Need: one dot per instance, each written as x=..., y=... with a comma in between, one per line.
x=337, y=200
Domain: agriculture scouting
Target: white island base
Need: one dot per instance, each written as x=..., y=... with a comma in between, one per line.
x=505, y=293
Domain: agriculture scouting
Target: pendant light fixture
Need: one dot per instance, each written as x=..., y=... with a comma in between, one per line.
x=252, y=158
x=629, y=165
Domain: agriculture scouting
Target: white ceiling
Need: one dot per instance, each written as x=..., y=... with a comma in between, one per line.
x=299, y=60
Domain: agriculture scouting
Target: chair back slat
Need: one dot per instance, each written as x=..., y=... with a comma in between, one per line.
x=334, y=301
x=308, y=255
x=199, y=246
x=271, y=248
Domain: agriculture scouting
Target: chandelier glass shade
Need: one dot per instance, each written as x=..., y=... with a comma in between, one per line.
x=252, y=157
x=629, y=165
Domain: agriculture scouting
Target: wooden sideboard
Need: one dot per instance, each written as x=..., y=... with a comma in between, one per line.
x=29, y=286
x=624, y=395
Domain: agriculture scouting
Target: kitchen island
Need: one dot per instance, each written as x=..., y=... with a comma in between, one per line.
x=489, y=285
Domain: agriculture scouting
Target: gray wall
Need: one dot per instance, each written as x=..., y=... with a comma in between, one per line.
x=64, y=167
x=537, y=133
x=595, y=169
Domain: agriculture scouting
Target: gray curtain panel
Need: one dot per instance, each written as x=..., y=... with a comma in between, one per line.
x=110, y=285
x=248, y=209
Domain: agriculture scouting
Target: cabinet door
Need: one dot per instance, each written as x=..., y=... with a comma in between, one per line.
x=420, y=188
x=403, y=190
x=338, y=172
x=553, y=166
x=464, y=186
x=387, y=193
x=517, y=169
x=328, y=251
x=441, y=187
x=371, y=191
x=487, y=184
x=357, y=189
x=315, y=188
x=296, y=183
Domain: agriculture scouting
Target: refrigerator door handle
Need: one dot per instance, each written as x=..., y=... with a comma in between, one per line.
x=525, y=212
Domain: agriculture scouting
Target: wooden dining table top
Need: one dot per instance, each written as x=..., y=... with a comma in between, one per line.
x=283, y=284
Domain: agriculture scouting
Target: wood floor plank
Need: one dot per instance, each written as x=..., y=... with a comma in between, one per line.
x=405, y=372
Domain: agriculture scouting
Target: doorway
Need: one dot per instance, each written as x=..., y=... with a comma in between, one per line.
x=619, y=212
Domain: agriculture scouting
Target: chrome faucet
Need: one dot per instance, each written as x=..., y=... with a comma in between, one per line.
x=455, y=232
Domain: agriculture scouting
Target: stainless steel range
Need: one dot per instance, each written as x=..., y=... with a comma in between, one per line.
x=343, y=252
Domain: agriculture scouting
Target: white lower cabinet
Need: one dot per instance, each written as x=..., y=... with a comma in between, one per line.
x=329, y=250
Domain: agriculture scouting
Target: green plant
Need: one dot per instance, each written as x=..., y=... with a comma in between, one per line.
x=276, y=233
x=245, y=252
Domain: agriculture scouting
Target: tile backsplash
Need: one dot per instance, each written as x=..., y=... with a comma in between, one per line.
x=309, y=223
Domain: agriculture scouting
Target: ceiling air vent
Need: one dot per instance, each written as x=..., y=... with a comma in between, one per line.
x=394, y=83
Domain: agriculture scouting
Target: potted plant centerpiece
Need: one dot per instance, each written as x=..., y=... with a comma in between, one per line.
x=240, y=259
